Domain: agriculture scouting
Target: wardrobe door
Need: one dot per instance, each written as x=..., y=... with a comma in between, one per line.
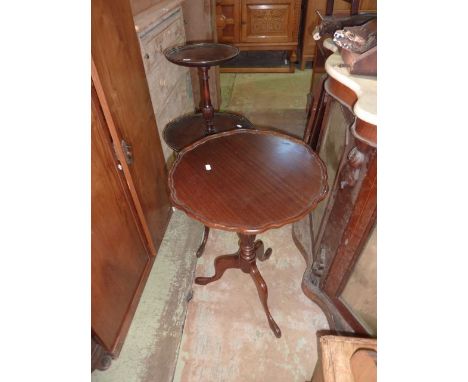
x=120, y=259
x=120, y=80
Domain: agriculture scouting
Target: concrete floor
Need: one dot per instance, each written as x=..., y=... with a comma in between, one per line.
x=269, y=100
x=152, y=344
x=222, y=333
x=226, y=335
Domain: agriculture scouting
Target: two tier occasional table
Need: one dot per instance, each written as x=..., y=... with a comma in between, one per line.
x=247, y=181
x=189, y=128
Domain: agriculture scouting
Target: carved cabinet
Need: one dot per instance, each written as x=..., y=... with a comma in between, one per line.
x=129, y=196
x=259, y=24
x=270, y=21
x=338, y=238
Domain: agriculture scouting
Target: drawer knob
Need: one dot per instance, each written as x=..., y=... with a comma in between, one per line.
x=146, y=56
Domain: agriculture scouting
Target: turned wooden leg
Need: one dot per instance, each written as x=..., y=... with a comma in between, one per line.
x=206, y=107
x=263, y=294
x=201, y=249
x=247, y=256
x=292, y=60
x=303, y=63
x=221, y=263
x=245, y=259
x=260, y=252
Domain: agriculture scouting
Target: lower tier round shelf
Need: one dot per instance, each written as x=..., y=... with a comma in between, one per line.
x=190, y=128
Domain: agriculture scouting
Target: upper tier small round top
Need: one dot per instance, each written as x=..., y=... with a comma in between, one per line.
x=203, y=54
x=247, y=181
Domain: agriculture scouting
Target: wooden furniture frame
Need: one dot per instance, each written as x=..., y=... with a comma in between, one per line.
x=238, y=195
x=256, y=25
x=351, y=208
x=346, y=359
x=130, y=199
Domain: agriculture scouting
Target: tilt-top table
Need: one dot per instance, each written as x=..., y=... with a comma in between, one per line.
x=190, y=128
x=247, y=181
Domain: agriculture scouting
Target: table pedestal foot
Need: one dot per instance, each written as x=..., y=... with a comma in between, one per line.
x=245, y=259
x=263, y=294
x=262, y=255
x=221, y=264
x=201, y=249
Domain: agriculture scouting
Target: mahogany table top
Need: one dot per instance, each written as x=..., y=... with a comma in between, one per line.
x=190, y=128
x=247, y=181
x=202, y=54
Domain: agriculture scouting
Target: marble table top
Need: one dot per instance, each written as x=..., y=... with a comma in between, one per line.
x=365, y=87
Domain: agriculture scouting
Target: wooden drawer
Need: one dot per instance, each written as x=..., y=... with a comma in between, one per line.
x=179, y=102
x=169, y=33
x=161, y=81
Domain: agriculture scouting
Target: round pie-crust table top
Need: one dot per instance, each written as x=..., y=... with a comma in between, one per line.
x=247, y=181
x=202, y=54
x=190, y=128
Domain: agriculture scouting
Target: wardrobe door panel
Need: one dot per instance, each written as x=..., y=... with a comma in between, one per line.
x=125, y=99
x=119, y=255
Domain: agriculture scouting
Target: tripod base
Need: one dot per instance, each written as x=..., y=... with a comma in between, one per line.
x=245, y=260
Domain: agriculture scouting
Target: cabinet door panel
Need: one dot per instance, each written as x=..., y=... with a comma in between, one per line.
x=270, y=21
x=119, y=256
x=124, y=95
x=228, y=20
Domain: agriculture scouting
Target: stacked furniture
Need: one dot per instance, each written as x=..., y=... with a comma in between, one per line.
x=311, y=49
x=314, y=50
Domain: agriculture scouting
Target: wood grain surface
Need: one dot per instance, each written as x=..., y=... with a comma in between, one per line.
x=120, y=80
x=189, y=128
x=201, y=54
x=247, y=181
x=120, y=257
